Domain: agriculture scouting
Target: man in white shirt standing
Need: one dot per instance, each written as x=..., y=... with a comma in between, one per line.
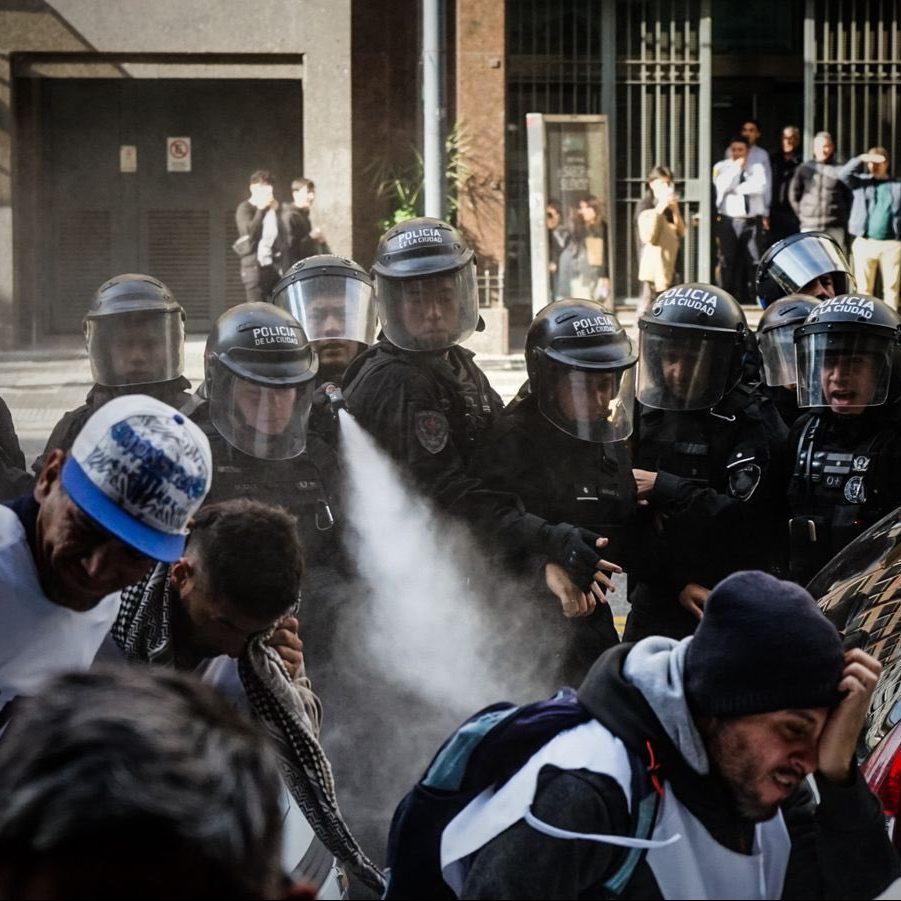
x=98, y=518
x=741, y=205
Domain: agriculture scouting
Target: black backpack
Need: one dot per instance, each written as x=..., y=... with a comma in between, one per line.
x=487, y=750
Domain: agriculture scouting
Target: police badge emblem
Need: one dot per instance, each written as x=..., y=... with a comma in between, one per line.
x=432, y=430
x=855, y=491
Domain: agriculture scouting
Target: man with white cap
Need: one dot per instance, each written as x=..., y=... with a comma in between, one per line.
x=99, y=516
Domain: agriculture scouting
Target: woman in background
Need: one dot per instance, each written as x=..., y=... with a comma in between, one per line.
x=661, y=227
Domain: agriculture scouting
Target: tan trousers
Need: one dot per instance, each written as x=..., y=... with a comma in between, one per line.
x=870, y=253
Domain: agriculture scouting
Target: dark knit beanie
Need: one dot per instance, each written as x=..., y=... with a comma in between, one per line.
x=762, y=645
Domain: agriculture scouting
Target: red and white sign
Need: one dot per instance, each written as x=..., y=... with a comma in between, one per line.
x=178, y=154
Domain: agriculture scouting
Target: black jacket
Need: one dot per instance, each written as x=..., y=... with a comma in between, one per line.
x=174, y=392
x=839, y=849
x=14, y=478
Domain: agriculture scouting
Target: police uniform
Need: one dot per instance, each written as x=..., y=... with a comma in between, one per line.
x=846, y=466
x=306, y=485
x=427, y=410
x=715, y=507
x=424, y=400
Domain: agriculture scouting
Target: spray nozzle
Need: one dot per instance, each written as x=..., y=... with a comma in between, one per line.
x=336, y=402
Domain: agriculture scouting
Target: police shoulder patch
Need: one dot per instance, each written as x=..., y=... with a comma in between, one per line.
x=743, y=480
x=432, y=430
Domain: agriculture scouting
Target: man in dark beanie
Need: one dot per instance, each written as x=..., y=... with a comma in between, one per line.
x=725, y=762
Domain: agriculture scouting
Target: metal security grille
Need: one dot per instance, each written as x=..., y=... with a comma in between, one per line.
x=662, y=78
x=554, y=65
x=178, y=253
x=853, y=49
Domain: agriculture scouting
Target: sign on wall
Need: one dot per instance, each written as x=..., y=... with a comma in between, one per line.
x=178, y=154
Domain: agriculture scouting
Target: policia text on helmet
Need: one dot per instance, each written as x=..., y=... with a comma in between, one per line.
x=691, y=345
x=581, y=366
x=259, y=378
x=425, y=285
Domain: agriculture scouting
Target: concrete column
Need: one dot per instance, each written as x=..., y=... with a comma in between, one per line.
x=7, y=311
x=327, y=126
x=481, y=120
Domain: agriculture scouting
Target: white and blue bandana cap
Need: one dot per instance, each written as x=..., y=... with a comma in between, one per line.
x=141, y=470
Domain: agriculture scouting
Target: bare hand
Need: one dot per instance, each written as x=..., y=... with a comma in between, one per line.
x=838, y=740
x=872, y=158
x=288, y=644
x=693, y=597
x=645, y=480
x=765, y=222
x=316, y=235
x=573, y=602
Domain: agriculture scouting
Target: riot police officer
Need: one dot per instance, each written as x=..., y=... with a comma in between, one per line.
x=846, y=449
x=776, y=343
x=561, y=446
x=259, y=378
x=809, y=263
x=707, y=447
x=331, y=297
x=135, y=336
x=427, y=403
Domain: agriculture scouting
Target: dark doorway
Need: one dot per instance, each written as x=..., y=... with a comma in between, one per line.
x=98, y=221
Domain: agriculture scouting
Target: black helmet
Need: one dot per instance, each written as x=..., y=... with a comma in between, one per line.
x=691, y=344
x=134, y=332
x=425, y=285
x=849, y=354
x=259, y=378
x=776, y=337
x=790, y=265
x=331, y=297
x=580, y=363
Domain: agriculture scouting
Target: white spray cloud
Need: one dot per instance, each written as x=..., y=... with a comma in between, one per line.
x=438, y=623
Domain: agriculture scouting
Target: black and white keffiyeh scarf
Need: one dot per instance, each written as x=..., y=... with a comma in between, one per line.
x=289, y=712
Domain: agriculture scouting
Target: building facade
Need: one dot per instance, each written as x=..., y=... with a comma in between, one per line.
x=99, y=98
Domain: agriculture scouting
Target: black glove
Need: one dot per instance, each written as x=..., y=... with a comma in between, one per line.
x=574, y=549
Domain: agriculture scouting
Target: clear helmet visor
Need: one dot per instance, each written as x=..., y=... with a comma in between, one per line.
x=331, y=307
x=137, y=348
x=434, y=312
x=591, y=405
x=777, y=349
x=264, y=421
x=846, y=372
x=684, y=372
x=800, y=265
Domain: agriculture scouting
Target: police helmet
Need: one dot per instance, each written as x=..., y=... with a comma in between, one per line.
x=259, y=378
x=849, y=354
x=134, y=332
x=581, y=366
x=331, y=297
x=425, y=285
x=776, y=337
x=691, y=346
x=794, y=264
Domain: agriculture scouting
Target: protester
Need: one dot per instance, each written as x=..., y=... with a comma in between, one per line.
x=227, y=610
x=138, y=783
x=583, y=267
x=98, y=518
x=303, y=238
x=732, y=725
x=783, y=163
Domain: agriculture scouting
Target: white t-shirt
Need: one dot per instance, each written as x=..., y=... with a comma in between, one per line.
x=39, y=638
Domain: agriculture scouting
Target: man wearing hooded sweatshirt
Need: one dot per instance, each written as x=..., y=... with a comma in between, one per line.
x=740, y=721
